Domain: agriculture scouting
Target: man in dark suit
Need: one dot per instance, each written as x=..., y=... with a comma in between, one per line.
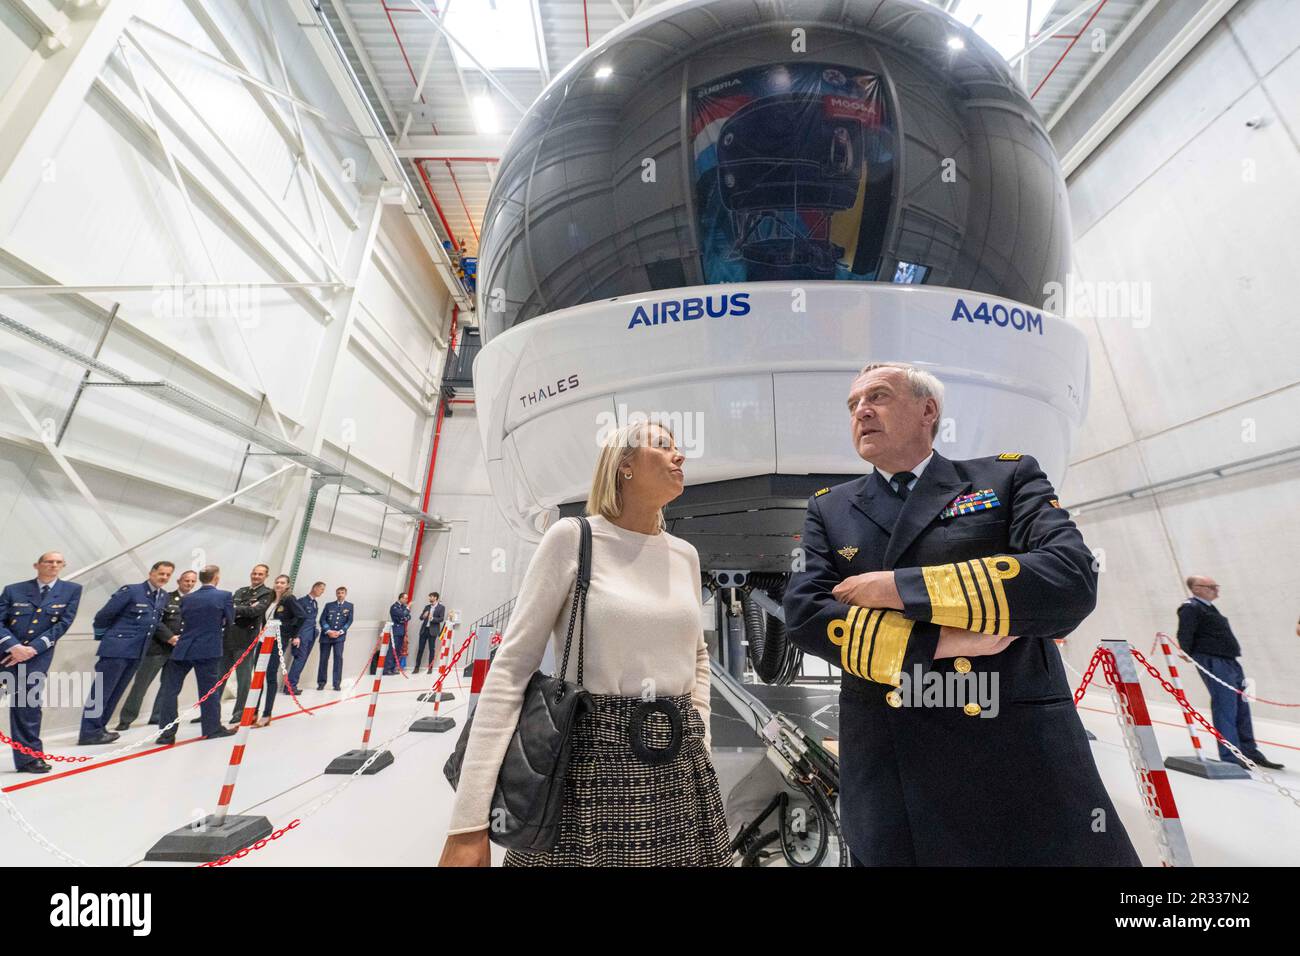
x=33, y=616
x=165, y=635
x=251, y=603
x=205, y=615
x=431, y=618
x=1204, y=633
x=123, y=626
x=335, y=619
x=937, y=586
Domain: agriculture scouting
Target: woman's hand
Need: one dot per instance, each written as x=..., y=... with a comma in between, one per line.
x=956, y=642
x=467, y=849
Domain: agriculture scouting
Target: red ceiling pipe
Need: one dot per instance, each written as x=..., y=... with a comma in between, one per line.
x=1082, y=30
x=468, y=217
x=428, y=186
x=459, y=159
x=433, y=457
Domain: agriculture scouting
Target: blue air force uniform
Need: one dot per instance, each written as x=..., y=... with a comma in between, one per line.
x=306, y=635
x=206, y=614
x=123, y=627
x=983, y=774
x=35, y=615
x=337, y=616
x=398, y=614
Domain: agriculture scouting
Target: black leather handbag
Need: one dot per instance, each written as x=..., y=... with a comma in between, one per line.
x=526, y=803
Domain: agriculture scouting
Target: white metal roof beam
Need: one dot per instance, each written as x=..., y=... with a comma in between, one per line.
x=345, y=83
x=1047, y=30
x=1129, y=29
x=451, y=38
x=452, y=146
x=1191, y=34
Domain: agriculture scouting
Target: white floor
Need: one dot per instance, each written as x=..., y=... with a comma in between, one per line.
x=111, y=815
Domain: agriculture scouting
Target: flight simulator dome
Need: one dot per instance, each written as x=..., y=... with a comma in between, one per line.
x=735, y=141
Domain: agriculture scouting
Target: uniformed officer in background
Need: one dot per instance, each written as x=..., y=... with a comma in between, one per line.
x=1204, y=633
x=33, y=616
x=431, y=618
x=305, y=639
x=159, y=649
x=206, y=614
x=251, y=603
x=335, y=620
x=399, y=612
x=123, y=626
x=958, y=573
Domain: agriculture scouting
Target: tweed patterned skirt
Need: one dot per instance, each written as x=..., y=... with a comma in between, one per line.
x=620, y=811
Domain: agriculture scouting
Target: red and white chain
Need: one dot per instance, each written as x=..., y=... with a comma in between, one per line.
x=1128, y=733
x=35, y=836
x=143, y=741
x=1250, y=698
x=1195, y=715
x=324, y=801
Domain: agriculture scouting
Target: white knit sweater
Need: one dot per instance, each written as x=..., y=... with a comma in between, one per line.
x=643, y=634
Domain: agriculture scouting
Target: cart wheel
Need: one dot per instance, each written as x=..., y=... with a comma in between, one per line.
x=760, y=851
x=805, y=832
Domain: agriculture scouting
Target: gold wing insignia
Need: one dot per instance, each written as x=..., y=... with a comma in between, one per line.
x=847, y=552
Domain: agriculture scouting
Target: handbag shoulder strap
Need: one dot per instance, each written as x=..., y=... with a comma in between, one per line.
x=578, y=610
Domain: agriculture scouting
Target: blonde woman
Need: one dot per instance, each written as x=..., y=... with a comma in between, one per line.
x=652, y=800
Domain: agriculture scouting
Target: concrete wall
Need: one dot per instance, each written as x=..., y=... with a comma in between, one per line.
x=1196, y=211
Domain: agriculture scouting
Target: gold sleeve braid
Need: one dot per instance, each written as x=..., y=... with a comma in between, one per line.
x=970, y=594
x=872, y=643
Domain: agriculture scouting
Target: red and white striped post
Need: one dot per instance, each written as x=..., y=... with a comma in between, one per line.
x=1144, y=753
x=438, y=724
x=354, y=760
x=443, y=656
x=220, y=834
x=1198, y=764
x=483, y=641
x=255, y=689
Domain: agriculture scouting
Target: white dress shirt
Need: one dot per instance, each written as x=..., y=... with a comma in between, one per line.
x=916, y=470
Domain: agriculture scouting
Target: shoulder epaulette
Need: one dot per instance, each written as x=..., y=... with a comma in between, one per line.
x=1010, y=456
x=820, y=492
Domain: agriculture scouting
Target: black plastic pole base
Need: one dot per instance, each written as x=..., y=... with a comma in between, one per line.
x=433, y=725
x=206, y=841
x=429, y=696
x=352, y=761
x=1209, y=769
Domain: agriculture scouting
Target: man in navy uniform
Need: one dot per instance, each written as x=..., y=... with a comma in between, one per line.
x=205, y=616
x=434, y=613
x=399, y=612
x=33, y=616
x=335, y=620
x=157, y=651
x=1204, y=633
x=123, y=627
x=932, y=583
x=305, y=639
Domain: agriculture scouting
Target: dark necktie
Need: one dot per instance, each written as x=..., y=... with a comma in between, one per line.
x=900, y=481
x=45, y=589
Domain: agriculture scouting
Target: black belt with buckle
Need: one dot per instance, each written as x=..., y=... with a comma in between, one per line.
x=643, y=751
